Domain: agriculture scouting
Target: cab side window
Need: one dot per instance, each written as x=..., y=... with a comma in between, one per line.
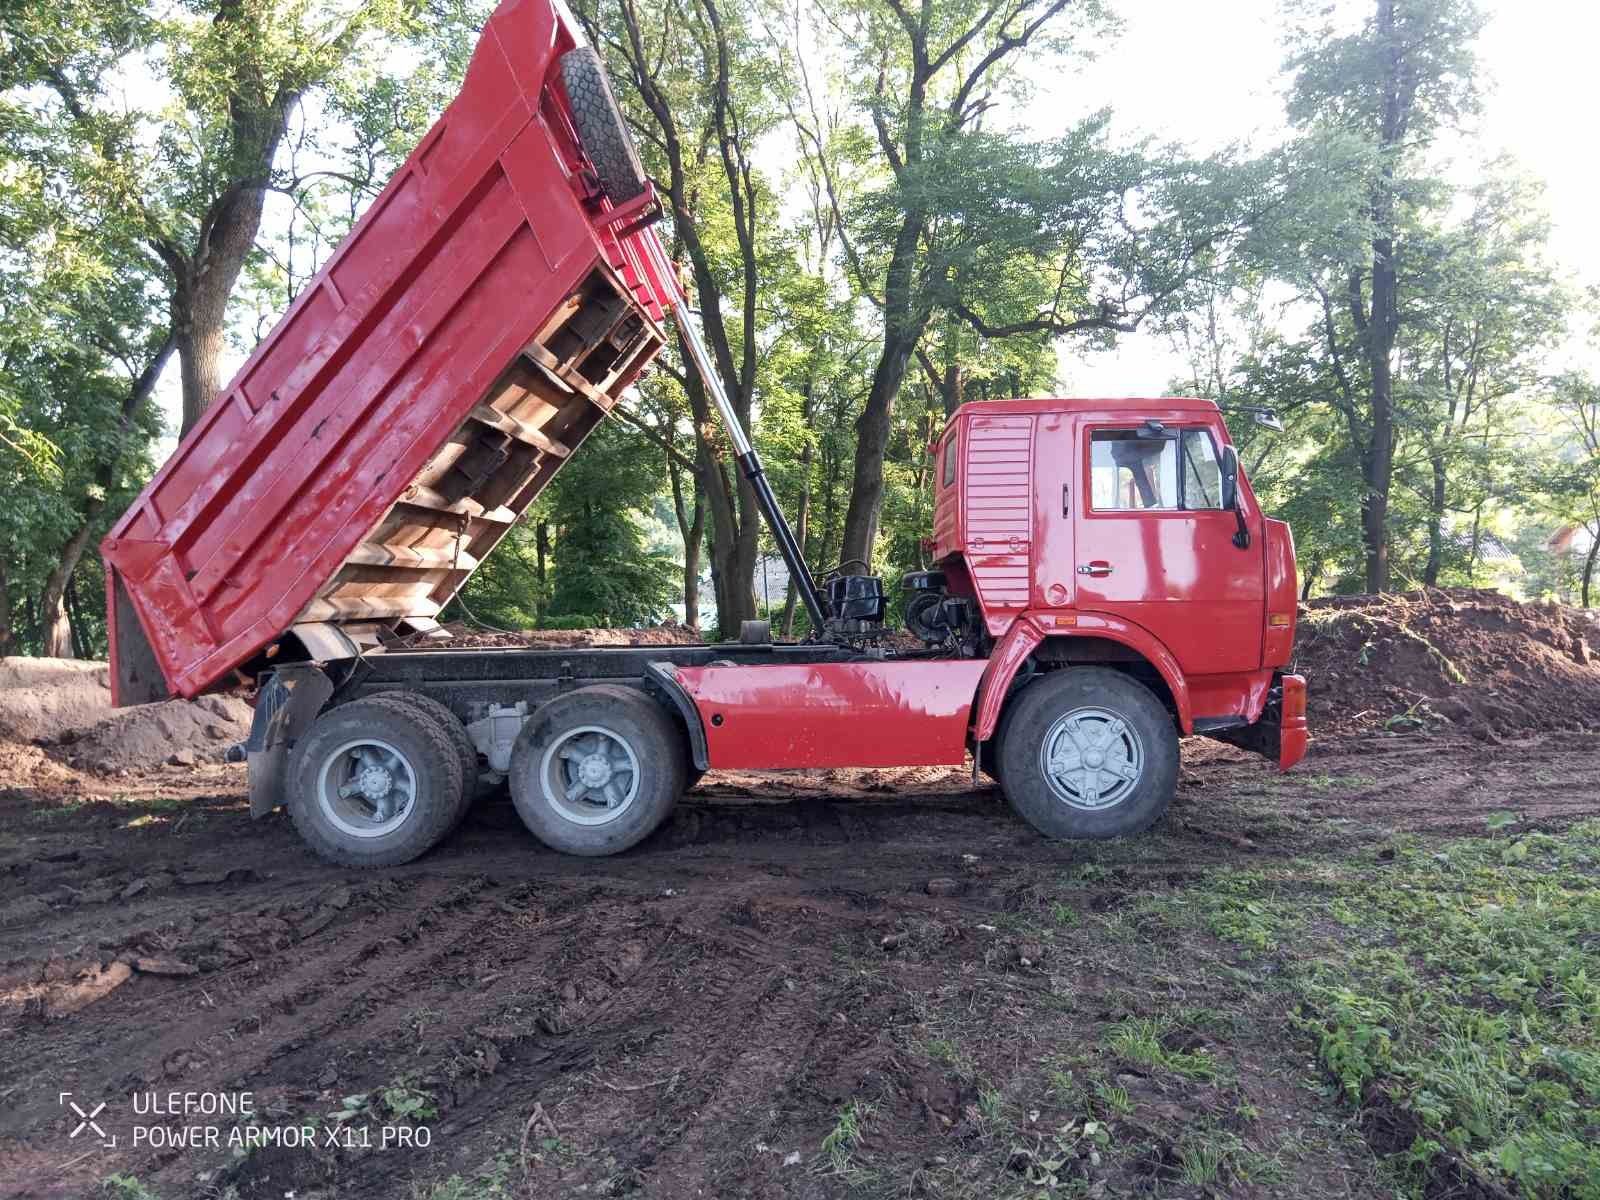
x=949, y=476
x=1130, y=472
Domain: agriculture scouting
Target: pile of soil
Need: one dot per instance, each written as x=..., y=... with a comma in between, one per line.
x=64, y=707
x=1474, y=660
x=463, y=636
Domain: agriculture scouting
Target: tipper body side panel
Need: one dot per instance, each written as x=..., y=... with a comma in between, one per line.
x=476, y=324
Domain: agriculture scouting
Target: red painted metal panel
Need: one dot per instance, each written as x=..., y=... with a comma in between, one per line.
x=997, y=512
x=488, y=234
x=860, y=714
x=1283, y=596
x=1295, y=733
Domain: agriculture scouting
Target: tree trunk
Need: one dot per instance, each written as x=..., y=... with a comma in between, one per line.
x=692, y=529
x=1436, y=499
x=80, y=630
x=55, y=629
x=903, y=326
x=802, y=516
x=1383, y=320
x=734, y=524
x=952, y=387
x=201, y=293
x=5, y=610
x=1588, y=563
x=693, y=548
x=541, y=564
x=203, y=280
x=1310, y=579
x=55, y=626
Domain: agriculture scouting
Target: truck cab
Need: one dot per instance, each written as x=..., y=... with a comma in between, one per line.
x=1123, y=532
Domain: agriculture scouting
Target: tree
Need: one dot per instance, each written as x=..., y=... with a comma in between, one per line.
x=1570, y=487
x=604, y=572
x=79, y=356
x=1392, y=84
x=941, y=214
x=698, y=95
x=193, y=178
x=1487, y=310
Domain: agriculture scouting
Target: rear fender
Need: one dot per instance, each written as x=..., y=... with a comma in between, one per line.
x=1030, y=629
x=289, y=701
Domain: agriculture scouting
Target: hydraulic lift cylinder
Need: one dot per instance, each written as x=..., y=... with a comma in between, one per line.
x=750, y=464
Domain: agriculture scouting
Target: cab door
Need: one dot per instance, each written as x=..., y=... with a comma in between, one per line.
x=1155, y=546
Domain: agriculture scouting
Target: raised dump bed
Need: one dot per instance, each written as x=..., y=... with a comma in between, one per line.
x=474, y=327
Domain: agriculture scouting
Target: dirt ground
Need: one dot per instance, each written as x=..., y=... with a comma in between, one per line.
x=846, y=983
x=688, y=1019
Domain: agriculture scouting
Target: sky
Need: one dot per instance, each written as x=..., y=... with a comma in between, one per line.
x=1207, y=75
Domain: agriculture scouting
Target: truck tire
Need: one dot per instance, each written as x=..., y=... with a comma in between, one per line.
x=471, y=789
x=597, y=770
x=1088, y=752
x=600, y=126
x=374, y=783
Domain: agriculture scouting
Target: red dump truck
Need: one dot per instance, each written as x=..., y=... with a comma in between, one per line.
x=1104, y=581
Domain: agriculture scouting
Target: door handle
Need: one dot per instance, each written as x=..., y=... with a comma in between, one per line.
x=1099, y=569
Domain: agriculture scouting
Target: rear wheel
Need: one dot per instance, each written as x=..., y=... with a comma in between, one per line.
x=459, y=738
x=600, y=126
x=597, y=770
x=374, y=783
x=1088, y=752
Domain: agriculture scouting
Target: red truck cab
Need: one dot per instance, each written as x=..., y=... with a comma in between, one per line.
x=1104, y=521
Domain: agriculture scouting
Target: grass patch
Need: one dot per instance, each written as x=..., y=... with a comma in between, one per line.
x=1457, y=983
x=842, y=1139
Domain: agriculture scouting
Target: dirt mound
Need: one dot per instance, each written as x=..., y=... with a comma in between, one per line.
x=183, y=732
x=465, y=636
x=1470, y=659
x=64, y=705
x=40, y=697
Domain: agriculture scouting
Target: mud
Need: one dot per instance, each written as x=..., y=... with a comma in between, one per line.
x=463, y=636
x=687, y=1019
x=693, y=1018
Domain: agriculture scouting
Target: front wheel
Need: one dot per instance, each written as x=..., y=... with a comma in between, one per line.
x=596, y=770
x=1088, y=752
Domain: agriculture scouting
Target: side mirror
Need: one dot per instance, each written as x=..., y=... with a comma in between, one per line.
x=1230, y=478
x=1230, y=495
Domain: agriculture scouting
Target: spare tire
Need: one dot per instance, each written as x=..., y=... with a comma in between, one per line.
x=601, y=129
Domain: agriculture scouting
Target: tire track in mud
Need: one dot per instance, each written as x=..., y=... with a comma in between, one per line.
x=238, y=1021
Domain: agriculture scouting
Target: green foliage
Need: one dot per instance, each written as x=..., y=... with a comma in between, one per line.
x=873, y=239
x=1462, y=985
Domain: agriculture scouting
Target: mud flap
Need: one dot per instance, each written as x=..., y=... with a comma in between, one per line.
x=1281, y=734
x=289, y=701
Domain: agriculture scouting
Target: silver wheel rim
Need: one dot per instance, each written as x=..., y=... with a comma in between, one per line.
x=367, y=788
x=590, y=775
x=1092, y=758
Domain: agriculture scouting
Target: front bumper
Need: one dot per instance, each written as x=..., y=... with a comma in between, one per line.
x=1293, y=731
x=1281, y=732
